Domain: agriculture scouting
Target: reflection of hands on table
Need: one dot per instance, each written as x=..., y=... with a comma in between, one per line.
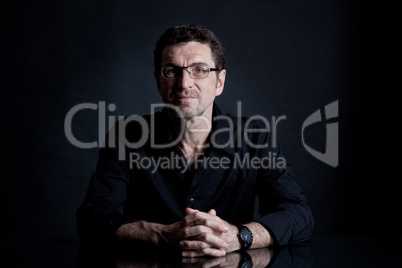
x=260, y=258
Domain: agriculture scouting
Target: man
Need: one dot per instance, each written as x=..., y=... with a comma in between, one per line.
x=174, y=177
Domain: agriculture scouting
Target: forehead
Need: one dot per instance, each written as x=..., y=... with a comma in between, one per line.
x=187, y=53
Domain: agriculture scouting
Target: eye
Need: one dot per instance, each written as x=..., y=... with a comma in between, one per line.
x=170, y=70
x=200, y=69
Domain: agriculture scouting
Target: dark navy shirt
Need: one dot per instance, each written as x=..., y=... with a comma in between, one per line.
x=135, y=180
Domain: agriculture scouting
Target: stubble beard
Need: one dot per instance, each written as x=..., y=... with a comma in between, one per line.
x=185, y=111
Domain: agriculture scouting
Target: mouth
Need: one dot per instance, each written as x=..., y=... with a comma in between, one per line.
x=184, y=98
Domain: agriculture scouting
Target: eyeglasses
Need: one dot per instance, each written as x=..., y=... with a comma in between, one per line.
x=196, y=71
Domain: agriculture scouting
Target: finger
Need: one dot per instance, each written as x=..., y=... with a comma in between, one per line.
x=200, y=241
x=192, y=254
x=193, y=245
x=194, y=215
x=192, y=231
x=188, y=260
x=191, y=217
x=215, y=224
x=188, y=220
x=202, y=218
x=214, y=262
x=215, y=252
x=188, y=211
x=206, y=262
x=212, y=212
x=212, y=240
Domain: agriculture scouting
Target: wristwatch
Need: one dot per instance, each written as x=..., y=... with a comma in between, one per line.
x=245, y=236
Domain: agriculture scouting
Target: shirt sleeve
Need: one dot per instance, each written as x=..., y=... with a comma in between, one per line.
x=282, y=204
x=284, y=209
x=101, y=215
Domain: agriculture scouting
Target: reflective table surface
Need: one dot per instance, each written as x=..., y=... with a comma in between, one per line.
x=330, y=251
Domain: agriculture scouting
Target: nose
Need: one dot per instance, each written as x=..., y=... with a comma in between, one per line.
x=185, y=81
x=186, y=69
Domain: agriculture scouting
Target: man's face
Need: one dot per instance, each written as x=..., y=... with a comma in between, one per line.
x=193, y=97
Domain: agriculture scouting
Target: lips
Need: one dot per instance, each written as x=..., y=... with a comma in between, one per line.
x=185, y=97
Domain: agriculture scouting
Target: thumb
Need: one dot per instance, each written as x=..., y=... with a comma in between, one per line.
x=188, y=211
x=212, y=212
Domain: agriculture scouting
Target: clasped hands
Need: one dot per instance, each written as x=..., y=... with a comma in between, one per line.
x=200, y=233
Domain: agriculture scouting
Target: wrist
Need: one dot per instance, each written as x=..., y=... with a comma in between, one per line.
x=155, y=233
x=245, y=236
x=234, y=244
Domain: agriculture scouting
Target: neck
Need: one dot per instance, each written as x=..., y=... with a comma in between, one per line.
x=193, y=131
x=194, y=134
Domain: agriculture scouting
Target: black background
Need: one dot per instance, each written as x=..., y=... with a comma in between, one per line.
x=283, y=58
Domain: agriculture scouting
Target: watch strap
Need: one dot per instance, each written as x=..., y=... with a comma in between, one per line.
x=244, y=244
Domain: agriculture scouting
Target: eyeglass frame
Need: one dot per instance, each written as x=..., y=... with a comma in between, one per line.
x=189, y=73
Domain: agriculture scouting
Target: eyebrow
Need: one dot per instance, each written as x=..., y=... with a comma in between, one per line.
x=175, y=65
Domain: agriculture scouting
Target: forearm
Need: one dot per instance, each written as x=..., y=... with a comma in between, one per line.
x=261, y=236
x=141, y=231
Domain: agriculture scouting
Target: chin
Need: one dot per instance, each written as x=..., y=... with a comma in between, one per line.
x=187, y=112
x=184, y=112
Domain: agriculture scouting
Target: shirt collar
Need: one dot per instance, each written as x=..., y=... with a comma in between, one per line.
x=222, y=136
x=223, y=131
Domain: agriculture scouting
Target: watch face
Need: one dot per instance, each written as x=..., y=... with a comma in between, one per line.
x=246, y=235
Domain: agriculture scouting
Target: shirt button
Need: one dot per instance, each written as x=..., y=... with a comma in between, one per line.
x=191, y=199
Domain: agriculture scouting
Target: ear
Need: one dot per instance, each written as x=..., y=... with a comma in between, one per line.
x=220, y=83
x=158, y=82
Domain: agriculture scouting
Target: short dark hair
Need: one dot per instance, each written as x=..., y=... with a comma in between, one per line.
x=186, y=33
